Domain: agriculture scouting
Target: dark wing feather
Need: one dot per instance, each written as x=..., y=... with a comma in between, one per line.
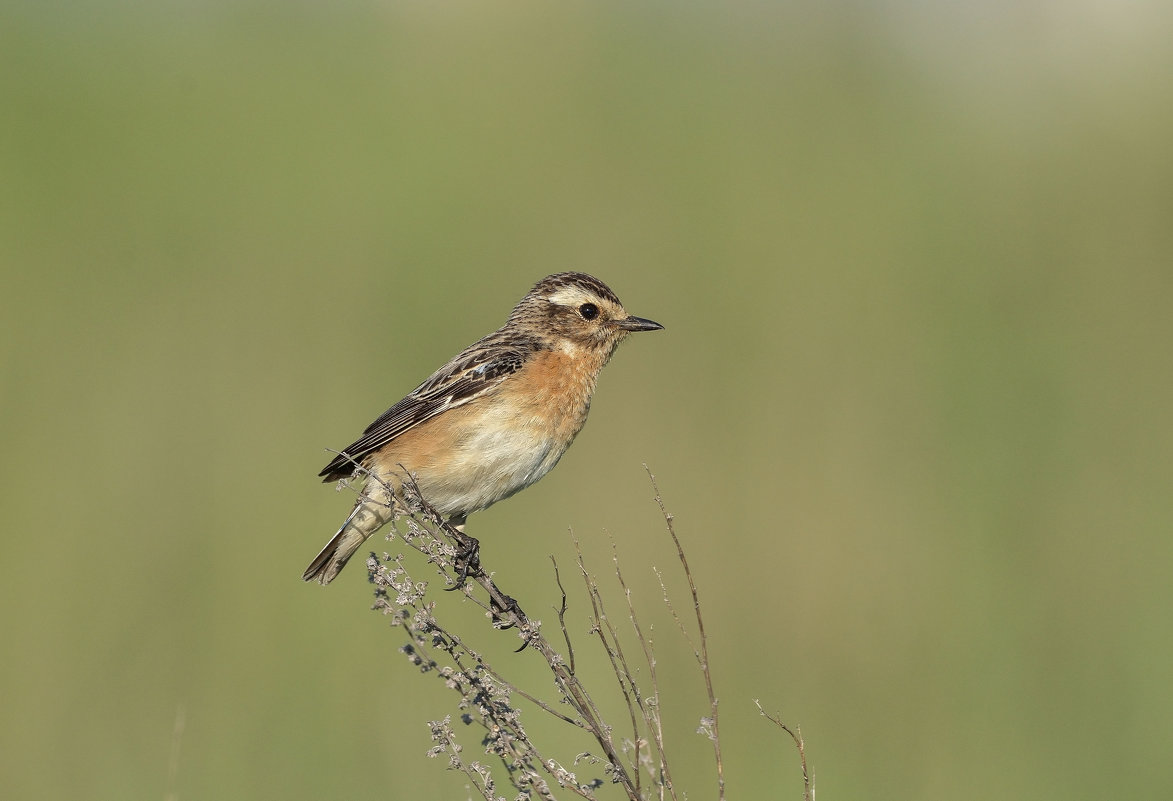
x=473, y=373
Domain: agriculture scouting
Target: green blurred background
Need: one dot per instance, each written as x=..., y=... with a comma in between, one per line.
x=911, y=409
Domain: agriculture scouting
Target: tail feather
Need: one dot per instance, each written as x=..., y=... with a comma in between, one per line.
x=368, y=516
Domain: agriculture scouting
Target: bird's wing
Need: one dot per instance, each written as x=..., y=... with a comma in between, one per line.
x=475, y=372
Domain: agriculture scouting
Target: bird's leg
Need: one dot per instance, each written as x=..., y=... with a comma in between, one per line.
x=467, y=560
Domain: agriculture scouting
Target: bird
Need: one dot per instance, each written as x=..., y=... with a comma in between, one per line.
x=492, y=421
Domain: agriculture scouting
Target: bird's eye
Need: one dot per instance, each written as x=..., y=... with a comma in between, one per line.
x=589, y=311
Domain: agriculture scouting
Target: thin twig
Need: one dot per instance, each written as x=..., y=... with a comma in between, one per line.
x=655, y=721
x=562, y=615
x=672, y=609
x=808, y=779
x=703, y=655
x=614, y=651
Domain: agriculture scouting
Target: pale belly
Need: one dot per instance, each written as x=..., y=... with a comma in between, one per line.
x=491, y=466
x=486, y=460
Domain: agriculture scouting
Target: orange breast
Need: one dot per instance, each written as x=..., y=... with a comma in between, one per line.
x=474, y=455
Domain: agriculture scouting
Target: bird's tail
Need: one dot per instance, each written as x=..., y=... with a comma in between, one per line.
x=371, y=511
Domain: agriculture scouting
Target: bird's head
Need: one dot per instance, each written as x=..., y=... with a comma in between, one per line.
x=577, y=311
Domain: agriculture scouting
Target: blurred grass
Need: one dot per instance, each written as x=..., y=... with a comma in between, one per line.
x=911, y=409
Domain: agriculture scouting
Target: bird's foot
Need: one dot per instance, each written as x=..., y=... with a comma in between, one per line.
x=507, y=613
x=467, y=562
x=467, y=559
x=503, y=608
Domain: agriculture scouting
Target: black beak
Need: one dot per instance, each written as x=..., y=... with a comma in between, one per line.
x=638, y=324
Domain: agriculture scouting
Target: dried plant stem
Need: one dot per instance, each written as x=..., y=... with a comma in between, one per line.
x=566, y=681
x=485, y=695
x=652, y=716
x=609, y=639
x=703, y=654
x=808, y=779
x=441, y=544
x=562, y=614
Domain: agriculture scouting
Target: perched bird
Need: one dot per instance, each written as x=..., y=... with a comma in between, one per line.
x=490, y=422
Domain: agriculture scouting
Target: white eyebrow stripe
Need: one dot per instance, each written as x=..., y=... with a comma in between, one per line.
x=570, y=296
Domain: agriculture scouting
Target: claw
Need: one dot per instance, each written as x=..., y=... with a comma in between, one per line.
x=467, y=560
